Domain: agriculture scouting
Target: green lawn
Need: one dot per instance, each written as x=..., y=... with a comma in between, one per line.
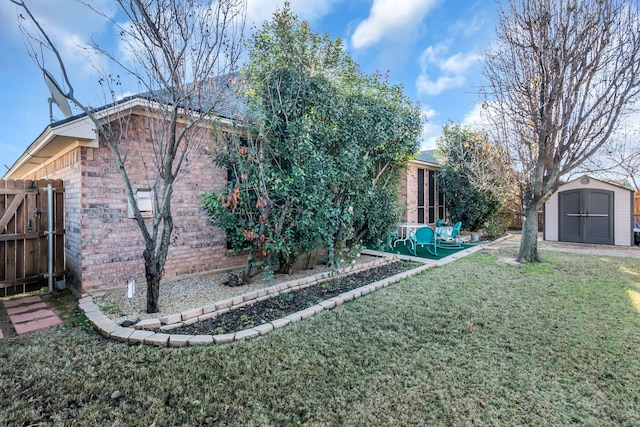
x=475, y=342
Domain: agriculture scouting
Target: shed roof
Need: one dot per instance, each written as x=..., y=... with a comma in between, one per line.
x=596, y=179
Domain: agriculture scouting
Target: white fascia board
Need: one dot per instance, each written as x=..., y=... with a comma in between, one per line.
x=83, y=132
x=422, y=163
x=81, y=129
x=149, y=108
x=80, y=132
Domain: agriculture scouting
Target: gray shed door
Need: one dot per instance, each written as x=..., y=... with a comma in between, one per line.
x=586, y=216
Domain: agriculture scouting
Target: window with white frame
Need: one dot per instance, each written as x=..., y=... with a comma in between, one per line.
x=144, y=199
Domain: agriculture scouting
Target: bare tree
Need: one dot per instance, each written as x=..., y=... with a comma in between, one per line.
x=560, y=76
x=469, y=150
x=618, y=159
x=177, y=49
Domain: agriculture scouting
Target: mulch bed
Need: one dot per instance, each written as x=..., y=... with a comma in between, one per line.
x=287, y=303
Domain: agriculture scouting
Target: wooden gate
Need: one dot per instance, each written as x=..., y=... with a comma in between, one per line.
x=23, y=234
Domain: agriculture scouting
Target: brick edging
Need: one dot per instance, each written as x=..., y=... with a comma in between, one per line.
x=157, y=331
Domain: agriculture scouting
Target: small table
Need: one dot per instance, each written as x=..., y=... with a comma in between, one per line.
x=405, y=229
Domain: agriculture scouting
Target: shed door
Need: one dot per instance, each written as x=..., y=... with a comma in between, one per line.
x=586, y=216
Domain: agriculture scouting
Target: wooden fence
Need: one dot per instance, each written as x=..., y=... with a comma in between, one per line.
x=23, y=234
x=516, y=223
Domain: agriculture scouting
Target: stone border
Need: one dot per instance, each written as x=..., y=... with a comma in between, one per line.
x=158, y=331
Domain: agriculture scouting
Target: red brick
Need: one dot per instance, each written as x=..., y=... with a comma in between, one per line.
x=34, y=315
x=49, y=321
x=22, y=301
x=36, y=325
x=24, y=308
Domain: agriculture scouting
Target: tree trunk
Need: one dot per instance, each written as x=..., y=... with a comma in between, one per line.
x=246, y=272
x=285, y=264
x=529, y=241
x=153, y=290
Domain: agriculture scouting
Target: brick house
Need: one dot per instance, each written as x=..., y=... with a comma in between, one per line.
x=103, y=244
x=419, y=190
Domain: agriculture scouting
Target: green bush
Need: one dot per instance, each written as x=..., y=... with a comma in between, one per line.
x=497, y=225
x=458, y=147
x=322, y=154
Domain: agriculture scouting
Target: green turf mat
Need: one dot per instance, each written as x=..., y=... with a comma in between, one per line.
x=402, y=248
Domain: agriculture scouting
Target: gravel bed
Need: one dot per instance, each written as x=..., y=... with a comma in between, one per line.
x=177, y=296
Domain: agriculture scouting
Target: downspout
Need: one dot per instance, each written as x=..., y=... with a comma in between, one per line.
x=50, y=232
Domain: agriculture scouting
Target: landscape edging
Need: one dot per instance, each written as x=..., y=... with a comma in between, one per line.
x=109, y=329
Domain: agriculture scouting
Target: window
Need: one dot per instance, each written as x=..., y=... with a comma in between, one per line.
x=144, y=199
x=432, y=197
x=421, y=196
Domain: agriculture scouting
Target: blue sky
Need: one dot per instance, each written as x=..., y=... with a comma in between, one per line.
x=434, y=48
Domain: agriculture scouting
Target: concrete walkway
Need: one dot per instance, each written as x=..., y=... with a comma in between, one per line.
x=579, y=248
x=30, y=314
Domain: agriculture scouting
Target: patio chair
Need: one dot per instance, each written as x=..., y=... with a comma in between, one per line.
x=449, y=237
x=424, y=236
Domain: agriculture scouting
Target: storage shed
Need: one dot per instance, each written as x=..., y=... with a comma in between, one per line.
x=587, y=210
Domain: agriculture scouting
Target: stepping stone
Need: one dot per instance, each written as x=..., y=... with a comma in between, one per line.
x=22, y=301
x=36, y=325
x=32, y=315
x=26, y=307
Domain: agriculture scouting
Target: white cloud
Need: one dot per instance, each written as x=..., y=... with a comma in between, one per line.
x=434, y=53
x=460, y=62
x=450, y=70
x=62, y=20
x=430, y=129
x=389, y=17
x=477, y=118
x=430, y=134
x=428, y=113
x=434, y=87
x=68, y=23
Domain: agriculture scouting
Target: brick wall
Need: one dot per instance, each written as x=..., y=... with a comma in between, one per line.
x=404, y=194
x=412, y=193
x=67, y=168
x=409, y=191
x=104, y=246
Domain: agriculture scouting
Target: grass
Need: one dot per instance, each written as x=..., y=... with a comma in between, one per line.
x=475, y=342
